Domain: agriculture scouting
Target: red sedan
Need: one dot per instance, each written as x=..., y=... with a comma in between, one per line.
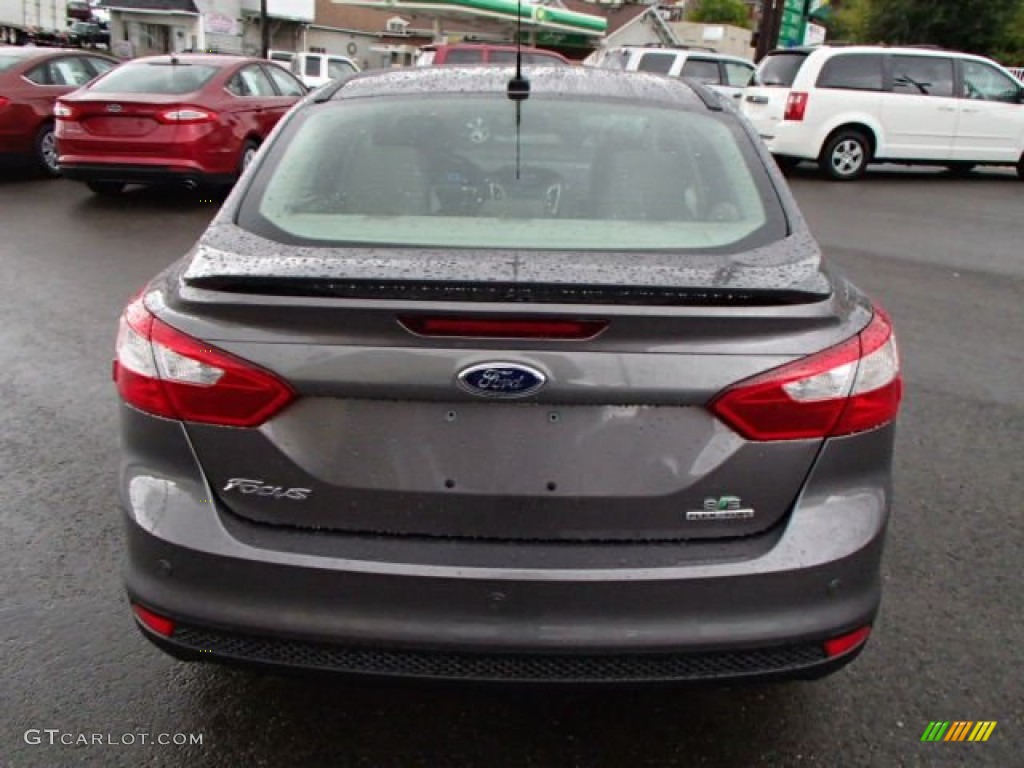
x=31, y=80
x=189, y=119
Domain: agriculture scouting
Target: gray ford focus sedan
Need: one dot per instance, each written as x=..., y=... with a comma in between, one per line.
x=486, y=377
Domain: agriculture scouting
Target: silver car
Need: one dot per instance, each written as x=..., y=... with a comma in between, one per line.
x=510, y=379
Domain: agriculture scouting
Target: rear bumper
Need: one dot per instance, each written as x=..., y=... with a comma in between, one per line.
x=142, y=174
x=790, y=139
x=244, y=592
x=585, y=627
x=806, y=661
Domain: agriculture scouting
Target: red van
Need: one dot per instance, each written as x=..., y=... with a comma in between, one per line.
x=485, y=53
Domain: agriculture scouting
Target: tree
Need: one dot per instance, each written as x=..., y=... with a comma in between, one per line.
x=978, y=26
x=722, y=12
x=849, y=22
x=1010, y=50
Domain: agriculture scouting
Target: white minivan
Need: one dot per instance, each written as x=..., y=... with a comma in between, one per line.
x=283, y=59
x=847, y=106
x=723, y=73
x=316, y=69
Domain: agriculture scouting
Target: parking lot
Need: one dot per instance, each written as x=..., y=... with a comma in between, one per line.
x=944, y=255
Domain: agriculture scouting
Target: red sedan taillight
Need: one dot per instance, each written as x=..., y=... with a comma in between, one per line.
x=162, y=371
x=852, y=387
x=4, y=101
x=63, y=111
x=178, y=115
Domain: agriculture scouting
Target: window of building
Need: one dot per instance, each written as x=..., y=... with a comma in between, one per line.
x=396, y=25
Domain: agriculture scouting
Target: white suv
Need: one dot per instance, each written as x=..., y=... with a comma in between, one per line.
x=316, y=69
x=726, y=74
x=847, y=106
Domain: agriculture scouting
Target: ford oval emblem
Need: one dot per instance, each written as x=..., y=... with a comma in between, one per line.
x=501, y=380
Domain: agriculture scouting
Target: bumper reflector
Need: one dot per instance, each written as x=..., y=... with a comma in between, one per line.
x=158, y=624
x=837, y=646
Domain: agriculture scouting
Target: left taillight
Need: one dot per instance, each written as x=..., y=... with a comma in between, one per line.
x=852, y=387
x=796, y=106
x=180, y=115
x=63, y=111
x=165, y=372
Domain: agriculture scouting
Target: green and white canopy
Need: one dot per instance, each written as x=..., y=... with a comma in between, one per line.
x=533, y=17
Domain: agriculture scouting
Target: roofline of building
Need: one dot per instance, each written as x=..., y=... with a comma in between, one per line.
x=149, y=11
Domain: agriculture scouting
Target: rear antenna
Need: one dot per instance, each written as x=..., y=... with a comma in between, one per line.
x=518, y=86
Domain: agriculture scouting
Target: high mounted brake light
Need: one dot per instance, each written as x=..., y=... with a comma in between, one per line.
x=852, y=387
x=503, y=328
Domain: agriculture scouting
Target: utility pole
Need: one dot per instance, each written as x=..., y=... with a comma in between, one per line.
x=768, y=29
x=264, y=31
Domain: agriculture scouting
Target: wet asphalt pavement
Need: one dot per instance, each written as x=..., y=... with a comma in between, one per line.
x=945, y=256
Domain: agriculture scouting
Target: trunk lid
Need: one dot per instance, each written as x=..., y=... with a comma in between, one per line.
x=617, y=445
x=129, y=120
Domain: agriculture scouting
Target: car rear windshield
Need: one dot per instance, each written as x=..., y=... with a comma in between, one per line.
x=455, y=172
x=156, y=78
x=464, y=56
x=8, y=61
x=780, y=69
x=528, y=57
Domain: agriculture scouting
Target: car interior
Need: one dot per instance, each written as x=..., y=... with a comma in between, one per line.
x=461, y=164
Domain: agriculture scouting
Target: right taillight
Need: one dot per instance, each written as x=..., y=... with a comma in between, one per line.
x=186, y=115
x=852, y=387
x=63, y=111
x=796, y=106
x=162, y=371
x=4, y=101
